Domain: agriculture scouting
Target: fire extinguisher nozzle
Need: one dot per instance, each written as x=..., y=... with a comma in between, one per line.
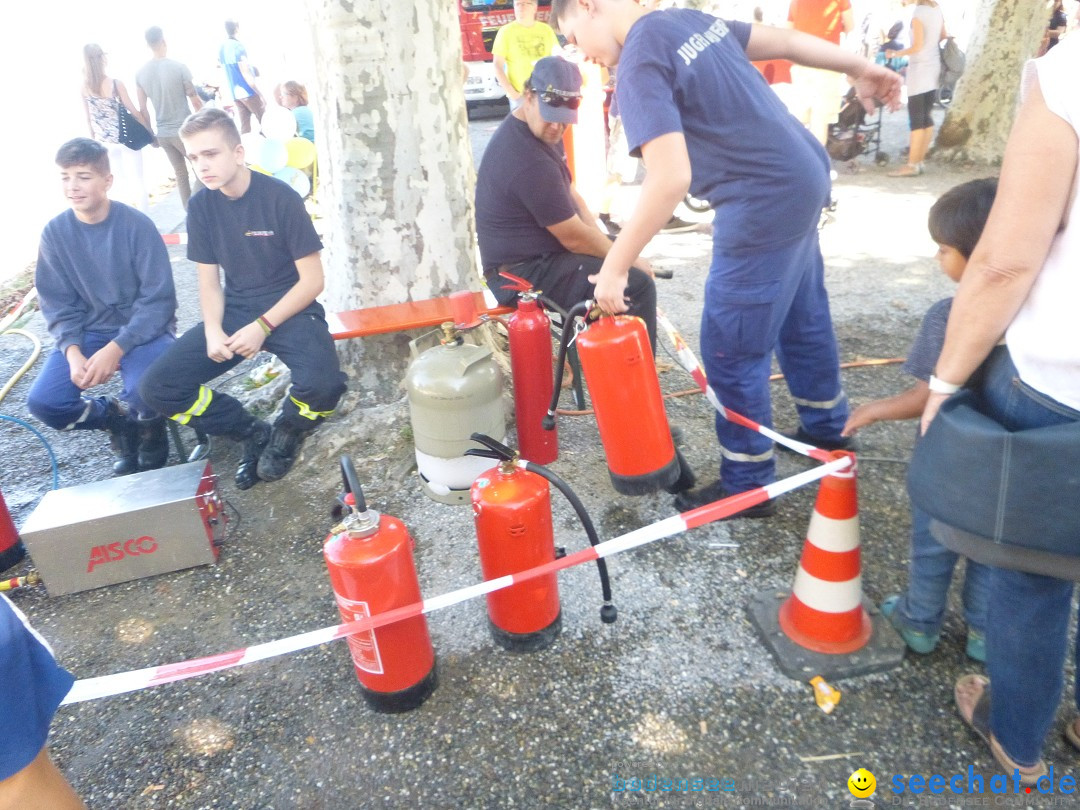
x=548, y=422
x=609, y=613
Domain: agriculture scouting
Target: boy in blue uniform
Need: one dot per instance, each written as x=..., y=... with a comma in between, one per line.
x=106, y=290
x=255, y=228
x=691, y=100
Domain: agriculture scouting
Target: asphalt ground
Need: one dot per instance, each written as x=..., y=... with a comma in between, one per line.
x=680, y=688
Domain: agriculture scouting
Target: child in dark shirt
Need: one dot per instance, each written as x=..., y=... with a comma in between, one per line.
x=956, y=222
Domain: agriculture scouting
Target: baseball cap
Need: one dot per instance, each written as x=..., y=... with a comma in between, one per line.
x=557, y=84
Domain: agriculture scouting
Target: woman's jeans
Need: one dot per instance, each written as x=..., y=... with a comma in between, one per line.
x=1028, y=616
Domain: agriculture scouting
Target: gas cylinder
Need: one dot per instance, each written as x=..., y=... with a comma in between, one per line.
x=370, y=562
x=617, y=362
x=454, y=389
x=531, y=368
x=11, y=547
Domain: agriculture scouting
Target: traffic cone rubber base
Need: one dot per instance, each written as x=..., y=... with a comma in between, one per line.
x=883, y=650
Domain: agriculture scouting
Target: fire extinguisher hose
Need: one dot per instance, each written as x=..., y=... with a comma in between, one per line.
x=564, y=345
x=608, y=612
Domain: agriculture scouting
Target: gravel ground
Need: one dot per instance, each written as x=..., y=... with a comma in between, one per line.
x=680, y=687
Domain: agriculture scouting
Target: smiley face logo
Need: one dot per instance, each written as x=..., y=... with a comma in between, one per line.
x=862, y=783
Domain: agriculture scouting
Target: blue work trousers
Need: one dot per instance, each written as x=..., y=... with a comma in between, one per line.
x=756, y=304
x=59, y=403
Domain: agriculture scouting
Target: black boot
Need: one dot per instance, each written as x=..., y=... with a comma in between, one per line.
x=153, y=443
x=280, y=455
x=123, y=437
x=254, y=438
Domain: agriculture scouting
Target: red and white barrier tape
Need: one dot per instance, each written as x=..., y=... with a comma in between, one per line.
x=688, y=360
x=108, y=685
x=174, y=238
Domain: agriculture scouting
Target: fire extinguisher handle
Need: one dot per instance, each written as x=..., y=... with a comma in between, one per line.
x=352, y=483
x=495, y=449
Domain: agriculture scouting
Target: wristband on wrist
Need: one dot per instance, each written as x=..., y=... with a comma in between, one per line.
x=267, y=327
x=939, y=386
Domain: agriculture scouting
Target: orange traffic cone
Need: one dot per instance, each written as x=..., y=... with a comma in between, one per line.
x=825, y=612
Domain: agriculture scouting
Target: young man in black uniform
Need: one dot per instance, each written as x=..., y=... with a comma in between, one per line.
x=255, y=229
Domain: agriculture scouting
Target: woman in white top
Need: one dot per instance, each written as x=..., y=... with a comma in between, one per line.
x=1023, y=282
x=922, y=78
x=101, y=97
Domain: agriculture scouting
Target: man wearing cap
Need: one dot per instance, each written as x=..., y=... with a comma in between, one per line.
x=530, y=220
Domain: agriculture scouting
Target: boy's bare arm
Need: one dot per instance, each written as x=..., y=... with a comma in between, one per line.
x=212, y=304
x=667, y=179
x=906, y=405
x=871, y=81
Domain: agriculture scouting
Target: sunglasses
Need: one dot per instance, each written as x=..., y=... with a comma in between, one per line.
x=553, y=98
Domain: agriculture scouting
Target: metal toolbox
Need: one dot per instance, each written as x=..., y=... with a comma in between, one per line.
x=125, y=528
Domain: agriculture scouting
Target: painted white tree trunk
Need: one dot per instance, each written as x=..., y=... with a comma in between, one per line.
x=397, y=177
x=977, y=125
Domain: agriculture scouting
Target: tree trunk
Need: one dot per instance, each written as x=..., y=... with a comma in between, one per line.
x=980, y=117
x=397, y=178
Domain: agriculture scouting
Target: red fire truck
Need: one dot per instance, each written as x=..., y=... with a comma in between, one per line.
x=480, y=21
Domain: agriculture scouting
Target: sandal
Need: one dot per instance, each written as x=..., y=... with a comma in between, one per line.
x=1072, y=733
x=907, y=170
x=972, y=695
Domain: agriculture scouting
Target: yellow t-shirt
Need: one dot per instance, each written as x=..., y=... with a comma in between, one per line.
x=521, y=47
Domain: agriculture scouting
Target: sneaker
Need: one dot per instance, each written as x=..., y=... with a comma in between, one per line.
x=153, y=443
x=976, y=646
x=694, y=499
x=676, y=225
x=280, y=454
x=800, y=435
x=123, y=437
x=255, y=440
x=922, y=643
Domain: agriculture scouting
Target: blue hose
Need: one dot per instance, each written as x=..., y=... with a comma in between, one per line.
x=44, y=441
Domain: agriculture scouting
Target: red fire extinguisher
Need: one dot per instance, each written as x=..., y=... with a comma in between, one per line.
x=369, y=558
x=512, y=510
x=618, y=365
x=11, y=547
x=530, y=365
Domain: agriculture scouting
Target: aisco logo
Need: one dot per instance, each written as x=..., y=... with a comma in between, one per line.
x=99, y=555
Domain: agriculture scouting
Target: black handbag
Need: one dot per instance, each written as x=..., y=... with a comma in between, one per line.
x=1018, y=489
x=133, y=135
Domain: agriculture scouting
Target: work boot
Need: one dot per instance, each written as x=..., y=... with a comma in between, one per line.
x=255, y=439
x=685, y=501
x=800, y=435
x=123, y=437
x=280, y=455
x=153, y=443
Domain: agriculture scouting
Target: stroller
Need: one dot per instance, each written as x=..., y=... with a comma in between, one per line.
x=852, y=135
